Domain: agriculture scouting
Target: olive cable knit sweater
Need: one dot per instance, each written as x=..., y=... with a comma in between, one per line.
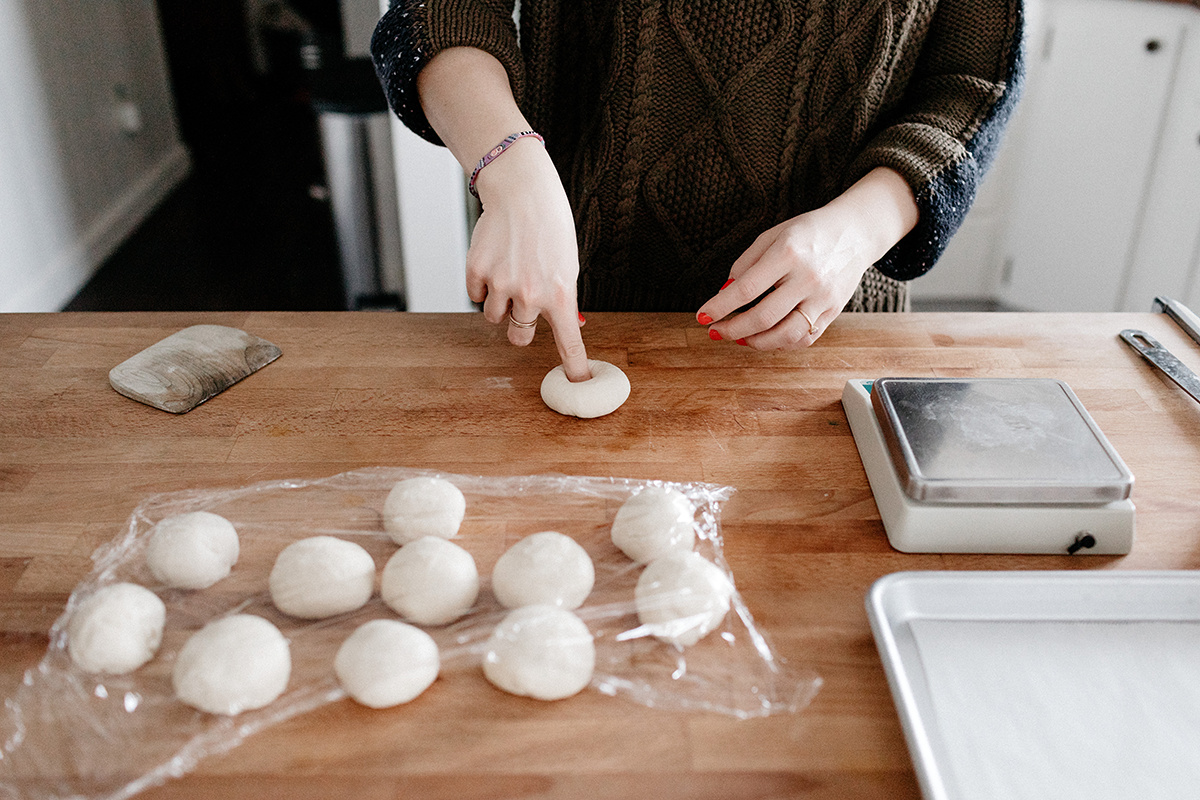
x=684, y=128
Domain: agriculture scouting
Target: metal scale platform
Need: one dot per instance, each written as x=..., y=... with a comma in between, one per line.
x=989, y=465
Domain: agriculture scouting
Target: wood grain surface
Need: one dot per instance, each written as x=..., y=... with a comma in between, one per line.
x=802, y=533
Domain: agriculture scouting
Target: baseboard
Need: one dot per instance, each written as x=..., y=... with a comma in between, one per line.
x=66, y=273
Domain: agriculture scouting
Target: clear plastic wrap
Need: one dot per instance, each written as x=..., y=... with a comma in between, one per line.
x=68, y=733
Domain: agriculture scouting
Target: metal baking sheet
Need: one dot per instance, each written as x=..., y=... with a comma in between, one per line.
x=1045, y=684
x=996, y=440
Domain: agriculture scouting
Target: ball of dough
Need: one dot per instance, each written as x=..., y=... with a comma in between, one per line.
x=192, y=551
x=545, y=568
x=117, y=629
x=544, y=652
x=603, y=394
x=430, y=581
x=682, y=597
x=419, y=507
x=654, y=522
x=233, y=664
x=386, y=662
x=320, y=577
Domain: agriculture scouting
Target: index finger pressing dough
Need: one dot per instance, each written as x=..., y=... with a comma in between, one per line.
x=603, y=393
x=233, y=664
x=193, y=550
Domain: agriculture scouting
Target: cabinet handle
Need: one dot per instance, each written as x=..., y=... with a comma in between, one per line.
x=1153, y=45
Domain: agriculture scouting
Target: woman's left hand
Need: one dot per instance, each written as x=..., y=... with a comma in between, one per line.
x=803, y=271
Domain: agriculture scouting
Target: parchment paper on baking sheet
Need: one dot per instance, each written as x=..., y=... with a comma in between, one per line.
x=1064, y=709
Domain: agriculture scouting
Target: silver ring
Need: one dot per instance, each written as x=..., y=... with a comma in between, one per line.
x=526, y=325
x=811, y=327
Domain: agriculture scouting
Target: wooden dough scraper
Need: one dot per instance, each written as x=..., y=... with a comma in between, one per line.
x=190, y=366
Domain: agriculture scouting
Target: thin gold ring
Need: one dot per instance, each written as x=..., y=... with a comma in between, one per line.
x=513, y=321
x=812, y=328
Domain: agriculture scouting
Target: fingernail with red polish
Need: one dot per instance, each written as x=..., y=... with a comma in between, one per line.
x=726, y=284
x=716, y=337
x=742, y=342
x=581, y=319
x=704, y=319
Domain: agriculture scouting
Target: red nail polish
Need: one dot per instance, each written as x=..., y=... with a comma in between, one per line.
x=581, y=319
x=742, y=342
x=716, y=337
x=725, y=284
x=704, y=319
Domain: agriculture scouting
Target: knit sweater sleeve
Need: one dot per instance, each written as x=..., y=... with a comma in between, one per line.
x=412, y=32
x=944, y=135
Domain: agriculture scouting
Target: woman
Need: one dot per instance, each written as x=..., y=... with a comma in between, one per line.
x=763, y=163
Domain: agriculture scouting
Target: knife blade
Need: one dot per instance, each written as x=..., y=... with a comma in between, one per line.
x=1182, y=315
x=1162, y=358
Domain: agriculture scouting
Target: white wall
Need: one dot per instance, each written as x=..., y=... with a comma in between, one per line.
x=88, y=140
x=1092, y=204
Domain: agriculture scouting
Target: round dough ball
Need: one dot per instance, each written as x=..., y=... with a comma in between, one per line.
x=545, y=568
x=386, y=662
x=682, y=597
x=232, y=665
x=654, y=522
x=320, y=577
x=116, y=629
x=192, y=551
x=419, y=507
x=603, y=394
x=430, y=581
x=544, y=652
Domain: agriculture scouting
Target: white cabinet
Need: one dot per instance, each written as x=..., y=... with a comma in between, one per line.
x=1095, y=200
x=1166, y=254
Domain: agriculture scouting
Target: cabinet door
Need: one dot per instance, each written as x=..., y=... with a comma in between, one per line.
x=1099, y=78
x=1167, y=253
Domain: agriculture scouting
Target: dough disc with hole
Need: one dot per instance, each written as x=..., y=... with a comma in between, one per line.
x=603, y=393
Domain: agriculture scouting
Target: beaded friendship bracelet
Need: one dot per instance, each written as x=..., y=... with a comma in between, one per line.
x=492, y=154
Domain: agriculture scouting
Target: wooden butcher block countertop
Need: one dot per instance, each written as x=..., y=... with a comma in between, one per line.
x=802, y=534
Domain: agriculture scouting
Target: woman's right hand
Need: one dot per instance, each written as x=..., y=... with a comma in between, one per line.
x=524, y=258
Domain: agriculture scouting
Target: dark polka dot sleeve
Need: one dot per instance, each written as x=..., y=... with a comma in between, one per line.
x=400, y=49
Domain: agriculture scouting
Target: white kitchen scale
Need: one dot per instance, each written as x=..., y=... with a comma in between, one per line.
x=989, y=465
